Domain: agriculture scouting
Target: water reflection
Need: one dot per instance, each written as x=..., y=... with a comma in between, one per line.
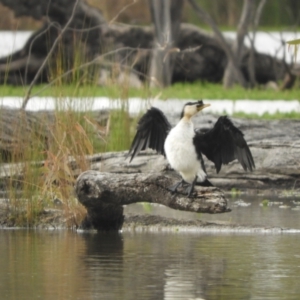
x=70, y=265
x=103, y=265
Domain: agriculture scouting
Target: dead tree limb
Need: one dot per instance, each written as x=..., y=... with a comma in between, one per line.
x=166, y=16
x=230, y=75
x=251, y=61
x=104, y=194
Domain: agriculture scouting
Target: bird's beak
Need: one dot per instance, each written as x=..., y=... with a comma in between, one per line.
x=200, y=107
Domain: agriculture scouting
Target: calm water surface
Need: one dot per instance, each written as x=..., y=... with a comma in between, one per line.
x=72, y=265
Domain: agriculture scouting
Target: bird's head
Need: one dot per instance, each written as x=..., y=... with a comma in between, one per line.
x=191, y=108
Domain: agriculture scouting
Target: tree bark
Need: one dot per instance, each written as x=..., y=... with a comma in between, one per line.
x=251, y=61
x=104, y=194
x=230, y=75
x=166, y=17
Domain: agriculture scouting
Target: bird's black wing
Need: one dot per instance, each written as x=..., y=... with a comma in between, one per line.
x=224, y=143
x=152, y=130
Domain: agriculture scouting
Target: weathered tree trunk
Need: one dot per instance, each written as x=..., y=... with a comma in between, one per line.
x=230, y=75
x=251, y=61
x=166, y=17
x=104, y=194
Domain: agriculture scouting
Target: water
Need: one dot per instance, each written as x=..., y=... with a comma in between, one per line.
x=136, y=105
x=69, y=265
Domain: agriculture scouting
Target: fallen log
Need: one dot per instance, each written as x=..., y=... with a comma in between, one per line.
x=104, y=194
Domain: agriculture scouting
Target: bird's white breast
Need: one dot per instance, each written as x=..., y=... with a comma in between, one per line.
x=181, y=153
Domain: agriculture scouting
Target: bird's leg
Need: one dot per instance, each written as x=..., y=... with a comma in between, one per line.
x=174, y=187
x=190, y=189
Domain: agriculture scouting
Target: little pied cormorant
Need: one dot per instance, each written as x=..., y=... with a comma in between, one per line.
x=183, y=146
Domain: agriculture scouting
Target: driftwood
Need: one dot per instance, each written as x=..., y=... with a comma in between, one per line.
x=104, y=194
x=200, y=57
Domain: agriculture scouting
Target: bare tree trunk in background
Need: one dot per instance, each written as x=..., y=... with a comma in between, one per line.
x=166, y=17
x=232, y=62
x=229, y=78
x=251, y=61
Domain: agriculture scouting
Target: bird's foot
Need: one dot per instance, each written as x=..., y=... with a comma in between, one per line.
x=173, y=188
x=189, y=190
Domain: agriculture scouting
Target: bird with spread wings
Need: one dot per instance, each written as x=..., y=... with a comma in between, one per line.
x=184, y=146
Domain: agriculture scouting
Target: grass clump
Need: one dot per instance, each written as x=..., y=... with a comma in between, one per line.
x=265, y=203
x=32, y=185
x=235, y=192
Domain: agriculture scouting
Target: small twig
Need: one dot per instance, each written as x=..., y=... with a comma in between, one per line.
x=122, y=10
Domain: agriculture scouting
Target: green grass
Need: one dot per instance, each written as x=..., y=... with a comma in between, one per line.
x=197, y=90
